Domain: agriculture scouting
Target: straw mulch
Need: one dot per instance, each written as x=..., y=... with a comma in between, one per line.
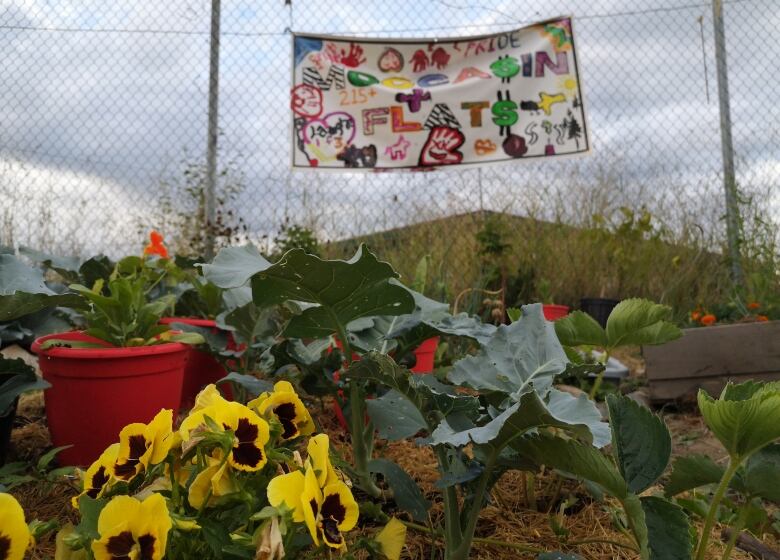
x=507, y=517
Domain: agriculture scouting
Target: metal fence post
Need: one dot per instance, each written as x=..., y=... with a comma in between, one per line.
x=213, y=132
x=729, y=178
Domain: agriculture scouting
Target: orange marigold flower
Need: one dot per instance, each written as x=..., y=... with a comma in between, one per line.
x=695, y=315
x=155, y=246
x=708, y=319
x=753, y=305
x=762, y=318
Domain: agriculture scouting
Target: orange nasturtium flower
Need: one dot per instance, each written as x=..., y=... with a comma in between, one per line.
x=708, y=319
x=762, y=318
x=695, y=315
x=156, y=246
x=753, y=305
x=14, y=534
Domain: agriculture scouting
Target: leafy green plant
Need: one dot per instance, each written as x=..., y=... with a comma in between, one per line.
x=757, y=480
x=16, y=378
x=512, y=374
x=745, y=419
x=633, y=322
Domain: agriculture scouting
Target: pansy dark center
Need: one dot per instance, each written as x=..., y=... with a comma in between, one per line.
x=246, y=452
x=119, y=546
x=99, y=480
x=5, y=547
x=138, y=446
x=331, y=533
x=286, y=414
x=146, y=544
x=332, y=508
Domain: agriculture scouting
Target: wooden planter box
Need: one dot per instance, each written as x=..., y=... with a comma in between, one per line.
x=708, y=357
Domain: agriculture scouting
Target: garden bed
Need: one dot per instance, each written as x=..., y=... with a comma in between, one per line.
x=508, y=518
x=709, y=357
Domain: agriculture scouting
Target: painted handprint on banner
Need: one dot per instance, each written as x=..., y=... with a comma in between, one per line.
x=441, y=148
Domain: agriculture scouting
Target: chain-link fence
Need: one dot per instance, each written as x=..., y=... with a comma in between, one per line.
x=103, y=114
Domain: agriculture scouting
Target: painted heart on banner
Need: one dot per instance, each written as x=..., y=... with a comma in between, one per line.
x=442, y=145
x=330, y=135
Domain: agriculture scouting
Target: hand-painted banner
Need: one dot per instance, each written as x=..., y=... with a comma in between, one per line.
x=412, y=104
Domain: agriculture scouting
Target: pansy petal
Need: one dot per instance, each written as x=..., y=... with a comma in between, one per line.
x=339, y=504
x=133, y=444
x=208, y=396
x=287, y=489
x=311, y=498
x=160, y=432
x=319, y=459
x=14, y=534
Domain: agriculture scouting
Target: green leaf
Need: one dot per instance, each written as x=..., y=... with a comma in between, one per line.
x=90, y=512
x=343, y=291
x=191, y=338
x=463, y=325
x=524, y=354
x=579, y=410
x=23, y=290
x=234, y=266
x=692, y=471
x=514, y=313
x=251, y=324
x=668, y=530
x=67, y=267
x=743, y=426
x=638, y=524
x=762, y=474
x=580, y=329
x=395, y=416
x=579, y=459
x=17, y=377
x=640, y=321
x=527, y=414
x=432, y=400
x=44, y=463
x=640, y=442
x=251, y=383
x=405, y=490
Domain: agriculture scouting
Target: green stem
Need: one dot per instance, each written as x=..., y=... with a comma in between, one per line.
x=452, y=531
x=709, y=521
x=599, y=377
x=462, y=551
x=736, y=529
x=361, y=449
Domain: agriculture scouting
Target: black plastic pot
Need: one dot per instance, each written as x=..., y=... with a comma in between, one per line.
x=598, y=308
x=6, y=423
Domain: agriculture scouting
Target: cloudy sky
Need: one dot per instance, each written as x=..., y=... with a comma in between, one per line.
x=102, y=101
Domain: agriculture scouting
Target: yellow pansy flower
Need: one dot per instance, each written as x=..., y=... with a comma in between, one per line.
x=318, y=449
x=215, y=478
x=317, y=496
x=99, y=475
x=287, y=489
x=251, y=433
x=286, y=405
x=130, y=528
x=14, y=534
x=392, y=538
x=208, y=396
x=144, y=445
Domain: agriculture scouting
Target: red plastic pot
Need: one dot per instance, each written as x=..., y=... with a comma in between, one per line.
x=202, y=368
x=553, y=311
x=96, y=392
